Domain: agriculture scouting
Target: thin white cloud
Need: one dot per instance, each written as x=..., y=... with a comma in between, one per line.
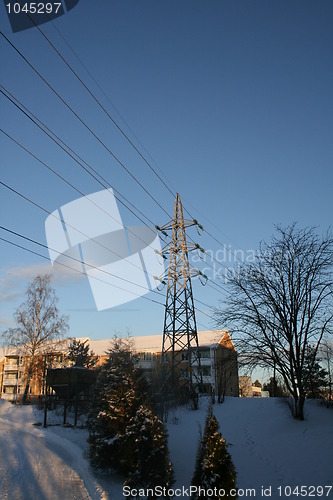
x=29, y=272
x=13, y=282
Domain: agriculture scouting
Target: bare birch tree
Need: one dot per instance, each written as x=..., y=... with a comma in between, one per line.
x=281, y=303
x=38, y=323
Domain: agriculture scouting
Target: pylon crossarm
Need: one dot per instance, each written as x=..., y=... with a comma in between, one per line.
x=190, y=247
x=169, y=226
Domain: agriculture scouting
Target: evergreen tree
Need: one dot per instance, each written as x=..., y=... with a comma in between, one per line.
x=80, y=355
x=197, y=476
x=314, y=375
x=124, y=433
x=118, y=395
x=274, y=388
x=146, y=444
x=214, y=467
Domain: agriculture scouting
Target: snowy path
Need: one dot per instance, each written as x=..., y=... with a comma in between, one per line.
x=40, y=465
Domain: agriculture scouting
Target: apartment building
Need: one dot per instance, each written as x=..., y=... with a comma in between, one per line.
x=218, y=359
x=14, y=369
x=12, y=372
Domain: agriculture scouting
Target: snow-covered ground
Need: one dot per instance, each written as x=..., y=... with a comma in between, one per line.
x=268, y=447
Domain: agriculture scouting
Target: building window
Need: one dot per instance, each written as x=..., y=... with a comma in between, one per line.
x=206, y=371
x=205, y=353
x=9, y=390
x=145, y=356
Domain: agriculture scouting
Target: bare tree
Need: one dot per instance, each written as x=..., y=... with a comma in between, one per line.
x=281, y=303
x=38, y=324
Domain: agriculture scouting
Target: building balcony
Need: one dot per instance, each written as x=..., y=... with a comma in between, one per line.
x=204, y=361
x=12, y=381
x=11, y=367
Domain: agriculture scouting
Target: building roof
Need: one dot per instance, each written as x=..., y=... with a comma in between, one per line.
x=153, y=343
x=226, y=341
x=49, y=347
x=7, y=351
x=145, y=343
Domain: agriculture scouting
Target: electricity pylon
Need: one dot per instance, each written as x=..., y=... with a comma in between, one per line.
x=180, y=360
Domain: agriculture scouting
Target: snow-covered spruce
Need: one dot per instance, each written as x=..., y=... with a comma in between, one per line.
x=146, y=443
x=214, y=467
x=125, y=435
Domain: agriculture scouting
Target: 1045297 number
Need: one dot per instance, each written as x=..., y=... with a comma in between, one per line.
x=304, y=491
x=33, y=8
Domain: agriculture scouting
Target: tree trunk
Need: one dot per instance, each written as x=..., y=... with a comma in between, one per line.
x=299, y=407
x=27, y=384
x=26, y=390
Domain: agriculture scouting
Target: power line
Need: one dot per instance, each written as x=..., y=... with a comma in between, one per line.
x=101, y=106
x=113, y=106
x=69, y=225
x=107, y=113
x=106, y=185
x=77, y=260
x=83, y=122
x=85, y=274
x=115, y=123
x=104, y=109
x=25, y=111
x=76, y=114
x=123, y=133
x=80, y=192
x=64, y=180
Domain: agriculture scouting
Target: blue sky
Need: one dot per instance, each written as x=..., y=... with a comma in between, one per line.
x=232, y=100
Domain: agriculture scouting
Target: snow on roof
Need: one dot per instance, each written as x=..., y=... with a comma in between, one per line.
x=153, y=343
x=56, y=346
x=8, y=351
x=145, y=343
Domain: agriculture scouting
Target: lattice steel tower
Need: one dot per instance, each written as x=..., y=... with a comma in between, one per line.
x=180, y=361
